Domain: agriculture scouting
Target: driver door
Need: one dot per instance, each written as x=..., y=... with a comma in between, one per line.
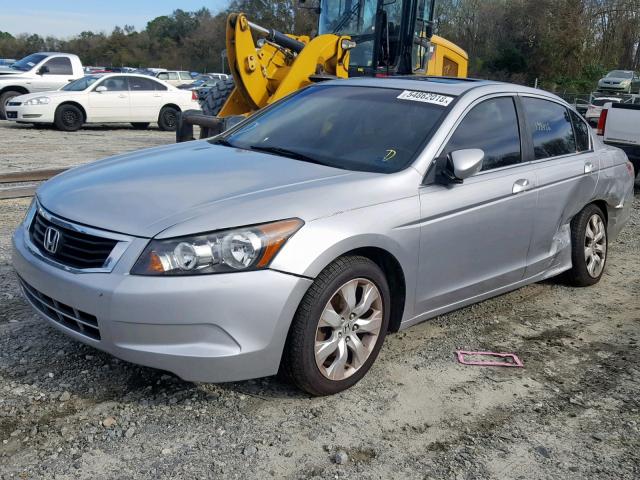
x=60, y=72
x=111, y=105
x=475, y=235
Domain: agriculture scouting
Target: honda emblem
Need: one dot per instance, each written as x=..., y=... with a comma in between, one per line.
x=51, y=240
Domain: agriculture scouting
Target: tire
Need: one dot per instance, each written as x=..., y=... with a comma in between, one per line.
x=168, y=119
x=140, y=125
x=215, y=98
x=68, y=118
x=4, y=98
x=585, y=235
x=324, y=298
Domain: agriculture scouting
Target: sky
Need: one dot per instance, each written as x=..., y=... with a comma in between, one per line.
x=65, y=18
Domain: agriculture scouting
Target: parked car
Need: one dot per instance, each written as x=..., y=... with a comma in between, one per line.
x=581, y=106
x=595, y=107
x=35, y=73
x=218, y=76
x=108, y=98
x=174, y=78
x=625, y=81
x=5, y=62
x=298, y=238
x=619, y=126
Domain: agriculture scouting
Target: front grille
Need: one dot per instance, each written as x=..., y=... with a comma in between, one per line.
x=76, y=320
x=14, y=104
x=75, y=249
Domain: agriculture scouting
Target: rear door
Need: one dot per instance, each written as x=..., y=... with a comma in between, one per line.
x=567, y=170
x=111, y=105
x=475, y=235
x=146, y=99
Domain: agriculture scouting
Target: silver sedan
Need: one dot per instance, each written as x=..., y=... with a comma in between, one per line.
x=296, y=240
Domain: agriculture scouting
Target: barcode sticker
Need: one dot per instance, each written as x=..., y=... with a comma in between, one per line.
x=426, y=97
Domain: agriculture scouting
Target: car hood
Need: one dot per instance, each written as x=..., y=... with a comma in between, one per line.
x=53, y=94
x=11, y=74
x=615, y=80
x=197, y=186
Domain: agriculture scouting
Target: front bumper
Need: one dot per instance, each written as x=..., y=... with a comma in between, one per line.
x=30, y=113
x=209, y=328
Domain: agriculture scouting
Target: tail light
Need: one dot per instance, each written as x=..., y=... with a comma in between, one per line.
x=602, y=122
x=631, y=170
x=194, y=95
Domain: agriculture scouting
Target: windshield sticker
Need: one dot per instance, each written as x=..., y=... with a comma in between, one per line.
x=31, y=64
x=426, y=97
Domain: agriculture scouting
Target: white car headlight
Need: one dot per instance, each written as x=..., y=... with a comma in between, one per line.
x=38, y=101
x=235, y=250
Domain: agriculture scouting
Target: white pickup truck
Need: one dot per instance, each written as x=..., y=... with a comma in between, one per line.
x=619, y=126
x=38, y=72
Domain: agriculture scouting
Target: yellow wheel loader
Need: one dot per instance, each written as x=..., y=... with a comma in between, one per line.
x=355, y=38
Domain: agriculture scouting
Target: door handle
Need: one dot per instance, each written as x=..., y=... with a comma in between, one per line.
x=588, y=167
x=521, y=185
x=122, y=95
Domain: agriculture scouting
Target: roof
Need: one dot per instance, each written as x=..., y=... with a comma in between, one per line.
x=452, y=86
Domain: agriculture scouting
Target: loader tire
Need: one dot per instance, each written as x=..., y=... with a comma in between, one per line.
x=216, y=96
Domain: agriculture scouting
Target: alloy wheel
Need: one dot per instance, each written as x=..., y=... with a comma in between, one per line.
x=348, y=329
x=170, y=118
x=595, y=245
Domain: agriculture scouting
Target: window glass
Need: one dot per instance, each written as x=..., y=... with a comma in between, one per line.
x=140, y=84
x=115, y=84
x=550, y=125
x=27, y=63
x=173, y=75
x=81, y=84
x=582, y=132
x=163, y=76
x=185, y=76
x=59, y=66
x=493, y=127
x=353, y=128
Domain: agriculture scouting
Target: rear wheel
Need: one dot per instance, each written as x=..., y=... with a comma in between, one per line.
x=4, y=98
x=69, y=118
x=140, y=125
x=214, y=99
x=168, y=119
x=588, y=247
x=339, y=328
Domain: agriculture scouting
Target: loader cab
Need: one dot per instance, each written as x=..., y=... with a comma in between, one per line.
x=392, y=36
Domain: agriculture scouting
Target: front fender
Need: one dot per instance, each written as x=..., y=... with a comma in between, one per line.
x=390, y=226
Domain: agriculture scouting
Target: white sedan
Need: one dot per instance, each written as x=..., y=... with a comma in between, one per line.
x=110, y=98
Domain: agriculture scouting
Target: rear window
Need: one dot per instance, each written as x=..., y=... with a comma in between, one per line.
x=353, y=128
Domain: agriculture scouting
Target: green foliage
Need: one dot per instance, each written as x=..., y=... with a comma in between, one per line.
x=563, y=44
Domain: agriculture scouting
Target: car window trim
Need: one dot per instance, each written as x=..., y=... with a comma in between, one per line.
x=463, y=115
x=565, y=105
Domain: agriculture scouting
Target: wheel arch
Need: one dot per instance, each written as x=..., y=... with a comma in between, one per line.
x=394, y=273
x=14, y=88
x=172, y=105
x=75, y=104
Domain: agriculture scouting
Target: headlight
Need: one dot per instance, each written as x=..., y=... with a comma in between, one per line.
x=38, y=101
x=235, y=250
x=625, y=82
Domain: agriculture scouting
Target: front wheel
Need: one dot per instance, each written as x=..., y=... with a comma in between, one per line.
x=168, y=119
x=4, y=99
x=588, y=247
x=339, y=327
x=69, y=118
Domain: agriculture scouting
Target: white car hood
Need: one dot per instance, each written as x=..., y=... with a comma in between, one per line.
x=54, y=94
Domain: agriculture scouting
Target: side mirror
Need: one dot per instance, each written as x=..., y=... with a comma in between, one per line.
x=42, y=70
x=465, y=163
x=101, y=89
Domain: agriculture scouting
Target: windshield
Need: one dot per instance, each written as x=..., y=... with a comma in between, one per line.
x=620, y=74
x=27, y=63
x=348, y=127
x=81, y=84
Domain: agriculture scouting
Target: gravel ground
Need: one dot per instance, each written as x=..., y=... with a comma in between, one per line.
x=68, y=411
x=25, y=147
